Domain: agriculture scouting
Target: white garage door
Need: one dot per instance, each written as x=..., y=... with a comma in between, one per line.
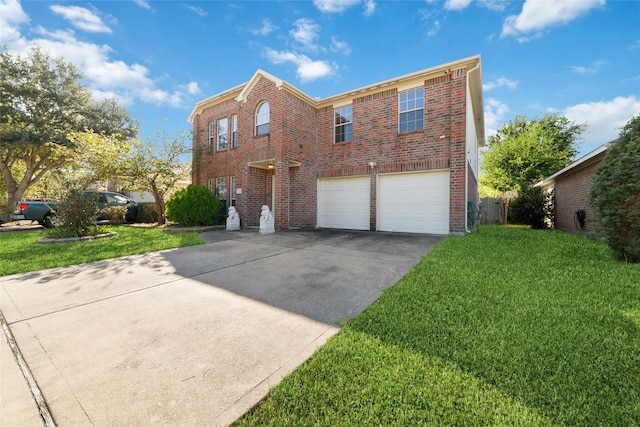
x=414, y=202
x=344, y=203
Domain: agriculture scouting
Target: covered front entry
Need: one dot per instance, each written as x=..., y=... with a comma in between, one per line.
x=344, y=203
x=415, y=202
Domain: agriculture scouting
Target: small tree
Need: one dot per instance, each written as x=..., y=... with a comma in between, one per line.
x=157, y=165
x=615, y=193
x=193, y=206
x=77, y=214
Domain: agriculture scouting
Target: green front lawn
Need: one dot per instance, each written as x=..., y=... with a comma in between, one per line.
x=506, y=327
x=19, y=252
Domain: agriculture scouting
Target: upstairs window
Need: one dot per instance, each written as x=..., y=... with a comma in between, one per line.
x=263, y=114
x=411, y=109
x=223, y=133
x=234, y=131
x=212, y=133
x=343, y=124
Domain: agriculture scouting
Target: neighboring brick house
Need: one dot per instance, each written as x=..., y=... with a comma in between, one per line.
x=572, y=187
x=398, y=155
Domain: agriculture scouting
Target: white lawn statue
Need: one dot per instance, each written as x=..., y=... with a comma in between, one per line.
x=233, y=219
x=267, y=225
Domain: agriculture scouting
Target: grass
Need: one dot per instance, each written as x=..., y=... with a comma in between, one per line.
x=510, y=327
x=19, y=252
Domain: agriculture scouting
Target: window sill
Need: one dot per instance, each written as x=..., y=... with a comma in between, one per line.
x=411, y=132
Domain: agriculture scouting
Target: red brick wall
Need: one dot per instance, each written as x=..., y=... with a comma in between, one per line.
x=572, y=193
x=301, y=133
x=300, y=145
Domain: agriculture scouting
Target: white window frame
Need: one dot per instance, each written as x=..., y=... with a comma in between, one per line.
x=345, y=112
x=263, y=118
x=221, y=187
x=223, y=133
x=234, y=131
x=212, y=133
x=410, y=105
x=232, y=190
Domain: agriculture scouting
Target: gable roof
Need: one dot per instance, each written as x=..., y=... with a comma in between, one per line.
x=583, y=161
x=472, y=63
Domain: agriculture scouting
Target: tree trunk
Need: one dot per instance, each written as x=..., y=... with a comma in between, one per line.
x=160, y=210
x=159, y=204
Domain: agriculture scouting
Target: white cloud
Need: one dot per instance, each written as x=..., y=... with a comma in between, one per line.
x=500, y=82
x=604, y=118
x=306, y=33
x=198, y=10
x=456, y=4
x=266, y=29
x=142, y=3
x=160, y=97
x=590, y=69
x=369, y=7
x=341, y=47
x=192, y=88
x=497, y=5
x=538, y=15
x=81, y=18
x=11, y=16
x=104, y=76
x=494, y=112
x=307, y=69
x=339, y=6
x=433, y=30
x=430, y=20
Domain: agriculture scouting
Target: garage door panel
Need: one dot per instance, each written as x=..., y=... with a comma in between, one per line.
x=414, y=202
x=344, y=203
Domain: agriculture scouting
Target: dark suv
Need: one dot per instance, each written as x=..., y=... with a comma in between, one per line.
x=106, y=199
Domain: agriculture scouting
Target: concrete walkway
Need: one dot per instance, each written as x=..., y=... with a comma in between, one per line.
x=193, y=336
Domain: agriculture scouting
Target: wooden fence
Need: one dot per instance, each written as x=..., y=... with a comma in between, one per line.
x=493, y=211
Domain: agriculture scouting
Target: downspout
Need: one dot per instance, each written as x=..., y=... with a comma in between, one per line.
x=466, y=158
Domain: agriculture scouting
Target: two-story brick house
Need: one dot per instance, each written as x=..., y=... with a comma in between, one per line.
x=398, y=155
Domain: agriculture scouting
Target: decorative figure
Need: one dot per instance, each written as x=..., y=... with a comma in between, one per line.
x=267, y=224
x=233, y=219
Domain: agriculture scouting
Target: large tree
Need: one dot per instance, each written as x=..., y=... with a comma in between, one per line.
x=157, y=165
x=524, y=151
x=44, y=108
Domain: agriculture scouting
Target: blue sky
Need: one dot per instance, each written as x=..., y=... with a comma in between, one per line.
x=579, y=58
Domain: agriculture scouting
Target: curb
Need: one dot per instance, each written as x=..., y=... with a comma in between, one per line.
x=47, y=240
x=174, y=230
x=26, y=372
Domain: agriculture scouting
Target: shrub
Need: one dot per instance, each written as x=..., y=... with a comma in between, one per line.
x=532, y=207
x=193, y=206
x=62, y=232
x=115, y=214
x=147, y=213
x=77, y=213
x=615, y=193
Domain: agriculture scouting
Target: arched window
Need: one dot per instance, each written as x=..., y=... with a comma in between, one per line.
x=262, y=119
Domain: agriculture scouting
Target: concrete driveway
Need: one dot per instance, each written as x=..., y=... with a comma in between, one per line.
x=193, y=336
